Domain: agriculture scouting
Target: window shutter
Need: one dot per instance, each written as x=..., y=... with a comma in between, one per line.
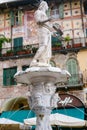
x=4, y=77
x=8, y=76
x=12, y=73
x=18, y=43
x=20, y=17
x=12, y=17
x=73, y=69
x=48, y=12
x=61, y=10
x=86, y=32
x=72, y=66
x=56, y=41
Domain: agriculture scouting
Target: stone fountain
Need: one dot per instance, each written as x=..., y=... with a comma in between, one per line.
x=41, y=76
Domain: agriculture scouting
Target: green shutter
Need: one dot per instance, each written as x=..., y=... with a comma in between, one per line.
x=61, y=10
x=48, y=12
x=18, y=43
x=86, y=32
x=12, y=73
x=73, y=69
x=8, y=76
x=20, y=17
x=56, y=41
x=12, y=17
x=72, y=66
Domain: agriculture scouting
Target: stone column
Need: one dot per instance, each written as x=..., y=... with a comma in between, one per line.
x=42, y=100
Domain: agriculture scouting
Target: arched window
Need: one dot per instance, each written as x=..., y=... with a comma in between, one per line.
x=72, y=67
x=52, y=63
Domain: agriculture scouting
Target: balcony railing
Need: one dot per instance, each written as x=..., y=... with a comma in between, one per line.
x=18, y=51
x=75, y=80
x=72, y=45
x=75, y=43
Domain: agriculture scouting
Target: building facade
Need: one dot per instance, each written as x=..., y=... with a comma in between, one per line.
x=17, y=23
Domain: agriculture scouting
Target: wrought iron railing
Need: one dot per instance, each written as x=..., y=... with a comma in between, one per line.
x=31, y=49
x=75, y=80
x=20, y=50
x=75, y=43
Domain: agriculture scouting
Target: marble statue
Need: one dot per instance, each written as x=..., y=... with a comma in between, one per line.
x=45, y=30
x=43, y=55
x=40, y=76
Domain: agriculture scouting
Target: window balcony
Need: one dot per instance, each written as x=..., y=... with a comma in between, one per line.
x=74, y=45
x=18, y=52
x=75, y=82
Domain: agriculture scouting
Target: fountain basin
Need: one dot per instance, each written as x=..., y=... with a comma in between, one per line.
x=42, y=74
x=42, y=98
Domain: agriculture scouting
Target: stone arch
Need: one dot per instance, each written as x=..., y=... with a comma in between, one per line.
x=18, y=103
x=53, y=64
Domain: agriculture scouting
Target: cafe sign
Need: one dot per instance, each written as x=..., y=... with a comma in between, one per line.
x=68, y=100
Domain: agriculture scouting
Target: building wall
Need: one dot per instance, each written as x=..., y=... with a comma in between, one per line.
x=82, y=58
x=28, y=30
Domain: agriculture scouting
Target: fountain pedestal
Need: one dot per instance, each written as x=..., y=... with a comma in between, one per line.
x=42, y=98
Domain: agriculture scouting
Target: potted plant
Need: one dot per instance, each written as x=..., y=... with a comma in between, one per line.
x=56, y=46
x=34, y=49
x=9, y=53
x=77, y=45
x=21, y=51
x=28, y=49
x=3, y=39
x=53, y=47
x=67, y=39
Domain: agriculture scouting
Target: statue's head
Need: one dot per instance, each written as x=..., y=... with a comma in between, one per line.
x=43, y=6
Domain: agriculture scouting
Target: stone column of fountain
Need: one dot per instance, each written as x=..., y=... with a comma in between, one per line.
x=41, y=76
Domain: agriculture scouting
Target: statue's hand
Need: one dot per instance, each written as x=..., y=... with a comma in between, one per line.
x=40, y=23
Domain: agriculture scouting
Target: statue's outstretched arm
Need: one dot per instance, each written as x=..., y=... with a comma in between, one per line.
x=44, y=21
x=39, y=18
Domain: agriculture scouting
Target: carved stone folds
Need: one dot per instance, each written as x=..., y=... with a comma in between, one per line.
x=42, y=98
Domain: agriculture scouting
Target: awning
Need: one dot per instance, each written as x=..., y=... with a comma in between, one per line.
x=6, y=1
x=10, y=1
x=18, y=116
x=15, y=115
x=16, y=3
x=60, y=120
x=7, y=124
x=8, y=121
